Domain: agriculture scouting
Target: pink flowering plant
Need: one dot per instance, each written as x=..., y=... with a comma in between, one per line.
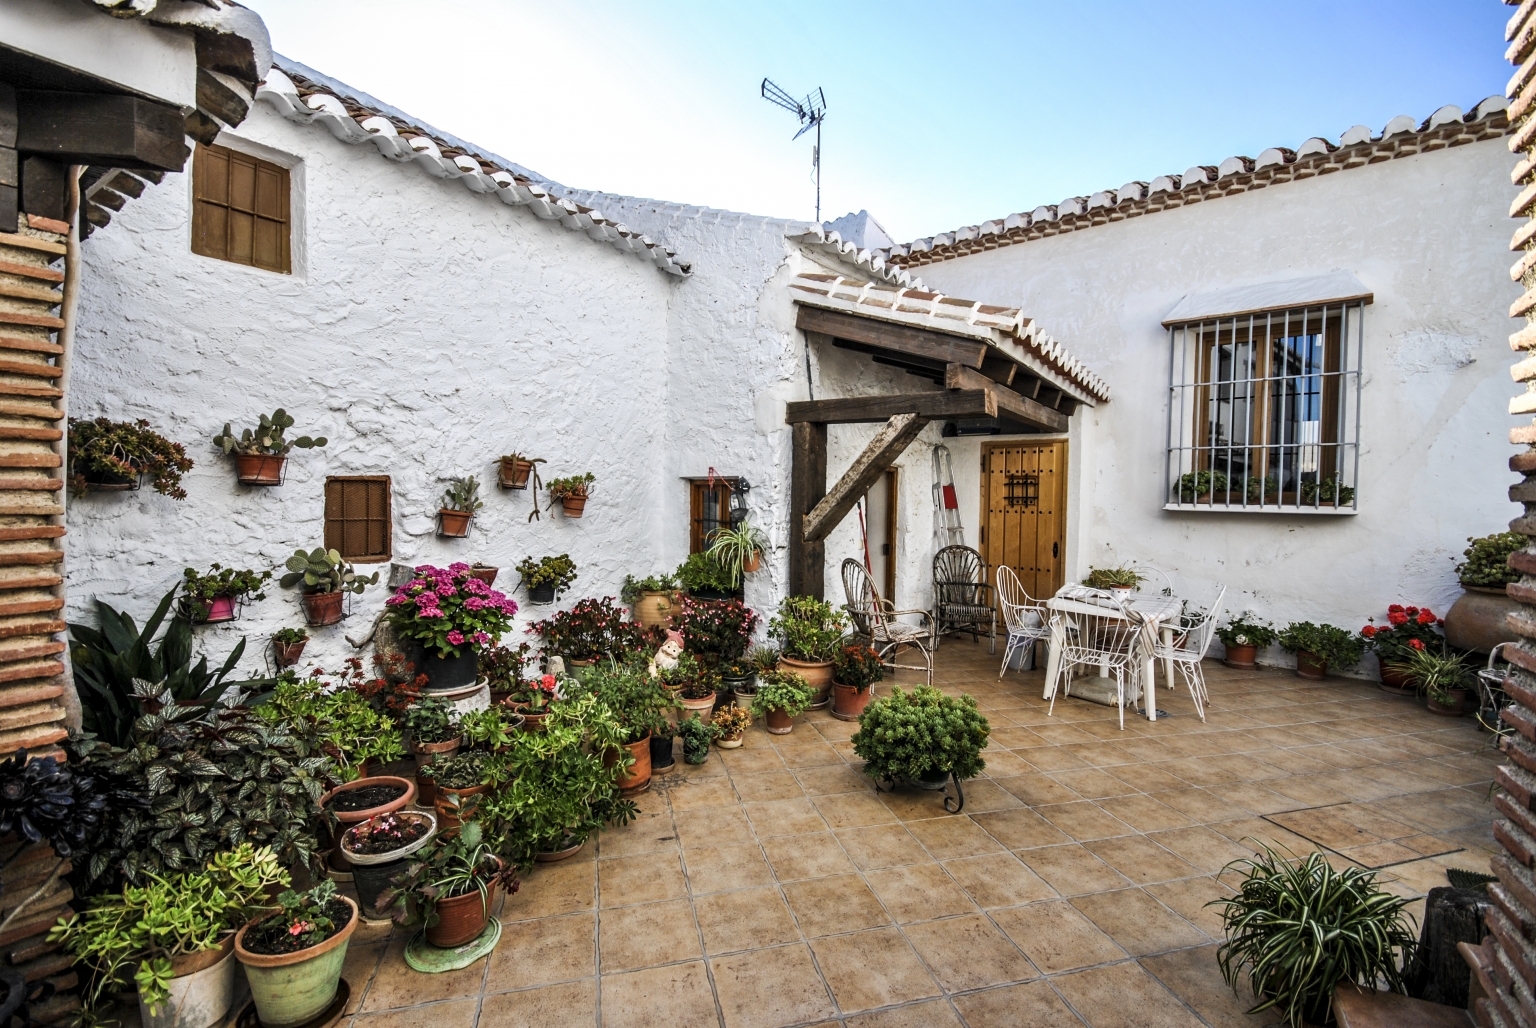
x=446, y=608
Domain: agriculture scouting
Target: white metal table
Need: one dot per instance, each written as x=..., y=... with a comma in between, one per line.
x=1160, y=613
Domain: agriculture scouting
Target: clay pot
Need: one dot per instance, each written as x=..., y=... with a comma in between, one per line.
x=729, y=742
x=532, y=721
x=654, y=609
x=700, y=707
x=292, y=988
x=752, y=563
x=638, y=778
x=1455, y=710
x=107, y=482
x=288, y=654
x=1309, y=665
x=1241, y=656
x=259, y=469
x=573, y=505
x=1397, y=681
x=848, y=703
x=220, y=608
x=550, y=856
x=453, y=524
x=429, y=752
x=322, y=608
x=817, y=675
x=485, y=573
x=461, y=919
x=446, y=807
x=426, y=790
x=577, y=668
x=202, y=989
x=780, y=723
x=352, y=817
x=1478, y=619
x=514, y=473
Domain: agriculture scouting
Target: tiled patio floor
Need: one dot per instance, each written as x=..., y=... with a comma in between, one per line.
x=772, y=886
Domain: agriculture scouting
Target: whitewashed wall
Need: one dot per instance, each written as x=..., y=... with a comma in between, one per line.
x=1429, y=235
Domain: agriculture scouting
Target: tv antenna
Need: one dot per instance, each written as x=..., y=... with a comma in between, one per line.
x=811, y=111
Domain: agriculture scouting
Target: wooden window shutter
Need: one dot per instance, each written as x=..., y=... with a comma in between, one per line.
x=240, y=209
x=357, y=518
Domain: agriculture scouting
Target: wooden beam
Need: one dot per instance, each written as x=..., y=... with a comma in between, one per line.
x=1009, y=403
x=807, y=485
x=935, y=406
x=100, y=128
x=884, y=448
x=998, y=368
x=917, y=342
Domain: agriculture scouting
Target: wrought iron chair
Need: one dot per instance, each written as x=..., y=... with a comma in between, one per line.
x=1100, y=636
x=1151, y=573
x=962, y=599
x=1025, y=619
x=875, y=619
x=1188, y=648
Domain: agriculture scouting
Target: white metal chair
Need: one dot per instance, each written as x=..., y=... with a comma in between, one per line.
x=1024, y=618
x=875, y=619
x=1188, y=648
x=1101, y=636
x=1151, y=573
x=962, y=599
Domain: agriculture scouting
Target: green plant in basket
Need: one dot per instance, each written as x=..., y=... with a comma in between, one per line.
x=1248, y=630
x=1333, y=646
x=340, y=721
x=558, y=572
x=1487, y=563
x=783, y=691
x=1299, y=928
x=808, y=629
x=917, y=734
x=1113, y=578
x=289, y=636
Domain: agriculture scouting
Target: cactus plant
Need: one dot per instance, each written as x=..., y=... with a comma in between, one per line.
x=462, y=494
x=323, y=571
x=267, y=439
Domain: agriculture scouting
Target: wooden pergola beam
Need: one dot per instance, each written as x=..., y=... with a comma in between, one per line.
x=1009, y=403
x=915, y=342
x=883, y=449
x=933, y=406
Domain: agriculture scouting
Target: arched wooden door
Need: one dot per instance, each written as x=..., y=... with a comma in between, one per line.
x=1024, y=512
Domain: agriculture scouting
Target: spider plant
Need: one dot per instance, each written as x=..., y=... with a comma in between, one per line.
x=452, y=866
x=734, y=548
x=1437, y=674
x=1299, y=928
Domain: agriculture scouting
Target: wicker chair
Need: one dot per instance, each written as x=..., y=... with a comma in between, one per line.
x=962, y=599
x=875, y=619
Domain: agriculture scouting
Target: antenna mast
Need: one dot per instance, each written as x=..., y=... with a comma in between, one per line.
x=811, y=112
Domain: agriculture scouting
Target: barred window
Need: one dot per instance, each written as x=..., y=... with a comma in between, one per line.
x=1264, y=411
x=357, y=517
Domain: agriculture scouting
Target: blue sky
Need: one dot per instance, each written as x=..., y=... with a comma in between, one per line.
x=940, y=115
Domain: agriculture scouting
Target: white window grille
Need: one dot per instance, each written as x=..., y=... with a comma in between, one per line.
x=1264, y=411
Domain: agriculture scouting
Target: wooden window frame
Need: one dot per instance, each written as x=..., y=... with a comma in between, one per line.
x=229, y=228
x=698, y=541
x=332, y=542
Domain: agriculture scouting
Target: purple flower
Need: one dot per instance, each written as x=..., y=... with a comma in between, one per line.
x=456, y=637
x=474, y=603
x=458, y=567
x=482, y=638
x=429, y=612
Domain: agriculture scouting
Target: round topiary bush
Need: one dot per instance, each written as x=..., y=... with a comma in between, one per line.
x=908, y=735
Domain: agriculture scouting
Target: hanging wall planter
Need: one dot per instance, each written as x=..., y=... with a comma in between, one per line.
x=571, y=493
x=548, y=577
x=288, y=646
x=453, y=524
x=484, y=572
x=514, y=470
x=216, y=597
x=260, y=469
x=261, y=456
x=327, y=580
x=459, y=503
x=112, y=456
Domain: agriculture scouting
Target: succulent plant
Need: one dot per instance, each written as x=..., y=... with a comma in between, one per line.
x=323, y=571
x=268, y=437
x=462, y=494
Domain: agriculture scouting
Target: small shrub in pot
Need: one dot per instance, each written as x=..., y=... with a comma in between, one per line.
x=1319, y=647
x=855, y=669
x=451, y=885
x=1244, y=636
x=113, y=454
x=696, y=734
x=293, y=959
x=781, y=696
x=922, y=734
x=731, y=723
x=1487, y=563
x=571, y=493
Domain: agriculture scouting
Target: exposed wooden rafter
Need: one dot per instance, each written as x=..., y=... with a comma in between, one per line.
x=883, y=449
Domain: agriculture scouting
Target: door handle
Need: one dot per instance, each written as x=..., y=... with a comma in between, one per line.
x=885, y=549
x=1055, y=548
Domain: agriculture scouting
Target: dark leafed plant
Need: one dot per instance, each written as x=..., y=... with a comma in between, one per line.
x=1299, y=928
x=591, y=628
x=105, y=448
x=717, y=630
x=1334, y=646
x=1487, y=563
x=858, y=665
x=912, y=734
x=44, y=801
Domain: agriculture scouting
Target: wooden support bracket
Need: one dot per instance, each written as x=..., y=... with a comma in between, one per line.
x=1009, y=403
x=884, y=448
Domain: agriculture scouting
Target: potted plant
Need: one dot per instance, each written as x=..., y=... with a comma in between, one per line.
x=502, y=668
x=1319, y=647
x=212, y=598
x=546, y=578
x=532, y=699
x=730, y=724
x=341, y=723
x=293, y=957
x=459, y=503
x=694, y=683
x=1445, y=679
x=705, y=578
x=451, y=615
x=451, y=885
x=571, y=493
x=717, y=631
x=781, y=696
x=325, y=580
x=261, y=455
x=110, y=455
x=592, y=628
x=1244, y=637
x=1478, y=620
x=434, y=731
x=662, y=759
x=174, y=937
x=460, y=780
x=639, y=704
x=738, y=549
x=1121, y=581
x=377, y=850
x=490, y=728
x=855, y=670
x=1299, y=928
x=485, y=572
x=921, y=737
x=1408, y=631
x=1261, y=491
x=1327, y=493
x=652, y=600
x=808, y=631
x=513, y=470
x=288, y=646
x=742, y=675
x=1200, y=487
x=696, y=734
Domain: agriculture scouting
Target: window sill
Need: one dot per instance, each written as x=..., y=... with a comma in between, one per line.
x=1268, y=508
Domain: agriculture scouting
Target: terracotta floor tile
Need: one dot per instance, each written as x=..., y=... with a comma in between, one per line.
x=718, y=868
x=912, y=804
x=784, y=817
x=1144, y=813
x=762, y=786
x=1204, y=806
x=649, y=833
x=1034, y=1005
x=650, y=934
x=872, y=969
x=1189, y=898
x=969, y=952
x=1038, y=789
x=553, y=889
x=853, y=809
x=552, y=949
x=460, y=1014
x=806, y=856
x=998, y=880
x=571, y=1005
x=1138, y=922
x=936, y=1013
x=770, y=987
x=677, y=995
x=713, y=826
x=756, y=754
x=1124, y=996
x=983, y=795
x=842, y=903
x=1072, y=870
x=1194, y=977
x=643, y=879
x=1021, y=829
x=1140, y=859
x=1092, y=783
x=919, y=892
x=1051, y=758
x=358, y=969
x=1056, y=936
x=698, y=793
x=825, y=781
x=1200, y=846
x=882, y=846
x=747, y=919
x=808, y=753
x=390, y=990
x=1005, y=763
x=1084, y=820
x=1148, y=777
x=953, y=836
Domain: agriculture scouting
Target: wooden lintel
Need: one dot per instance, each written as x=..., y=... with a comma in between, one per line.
x=868, y=466
x=935, y=406
x=1009, y=403
x=917, y=342
x=101, y=128
x=1051, y=397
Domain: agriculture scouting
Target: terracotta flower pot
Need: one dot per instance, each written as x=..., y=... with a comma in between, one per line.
x=654, y=609
x=848, y=702
x=461, y=919
x=638, y=778
x=514, y=473
x=1455, y=710
x=430, y=752
x=700, y=707
x=729, y=742
x=352, y=817
x=485, y=573
x=1241, y=656
x=426, y=790
x=449, y=802
x=322, y=608
x=752, y=563
x=292, y=988
x=573, y=505
x=1309, y=665
x=780, y=723
x=533, y=721
x=220, y=608
x=817, y=675
x=288, y=654
x=453, y=524
x=1397, y=681
x=259, y=468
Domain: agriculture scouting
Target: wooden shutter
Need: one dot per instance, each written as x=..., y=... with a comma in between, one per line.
x=240, y=209
x=709, y=508
x=357, y=518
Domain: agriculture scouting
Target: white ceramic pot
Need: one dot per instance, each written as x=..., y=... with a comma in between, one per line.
x=197, y=1000
x=369, y=859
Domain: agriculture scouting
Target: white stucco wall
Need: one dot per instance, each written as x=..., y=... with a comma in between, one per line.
x=1429, y=235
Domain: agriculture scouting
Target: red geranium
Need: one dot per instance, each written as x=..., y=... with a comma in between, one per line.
x=1369, y=631
x=1397, y=617
x=1394, y=608
x=1426, y=617
x=1417, y=644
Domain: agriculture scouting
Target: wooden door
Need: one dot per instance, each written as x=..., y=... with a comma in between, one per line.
x=880, y=529
x=1024, y=512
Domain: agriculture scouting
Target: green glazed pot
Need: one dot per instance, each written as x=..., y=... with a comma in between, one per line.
x=291, y=988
